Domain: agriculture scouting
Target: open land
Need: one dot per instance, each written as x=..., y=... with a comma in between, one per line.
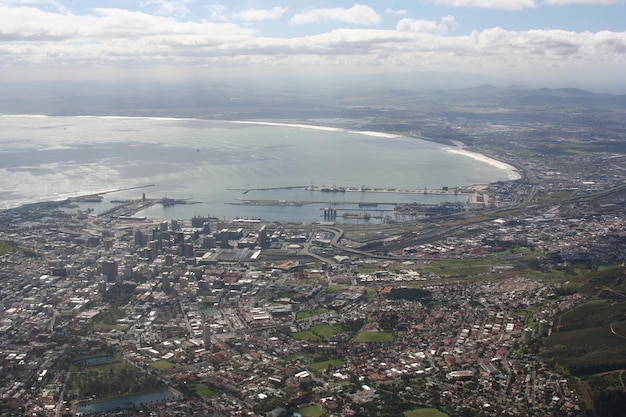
x=511, y=305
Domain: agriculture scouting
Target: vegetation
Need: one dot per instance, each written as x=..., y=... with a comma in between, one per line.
x=7, y=247
x=203, y=391
x=11, y=247
x=373, y=336
x=305, y=314
x=109, y=379
x=316, y=366
x=306, y=335
x=311, y=411
x=424, y=412
x=119, y=295
x=162, y=365
x=106, y=327
x=588, y=341
x=413, y=294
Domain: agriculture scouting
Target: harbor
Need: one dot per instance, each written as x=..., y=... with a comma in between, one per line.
x=362, y=189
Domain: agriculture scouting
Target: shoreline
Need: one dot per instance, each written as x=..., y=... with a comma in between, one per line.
x=513, y=171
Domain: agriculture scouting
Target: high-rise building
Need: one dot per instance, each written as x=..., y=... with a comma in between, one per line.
x=154, y=249
x=188, y=250
x=109, y=269
x=262, y=238
x=206, y=336
x=528, y=335
x=140, y=238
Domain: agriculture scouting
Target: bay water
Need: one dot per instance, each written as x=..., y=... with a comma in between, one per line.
x=220, y=163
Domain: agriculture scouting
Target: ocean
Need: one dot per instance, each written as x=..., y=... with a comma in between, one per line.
x=218, y=164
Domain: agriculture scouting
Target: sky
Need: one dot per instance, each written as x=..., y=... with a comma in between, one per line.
x=571, y=41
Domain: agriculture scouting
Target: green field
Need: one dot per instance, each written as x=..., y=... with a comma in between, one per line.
x=312, y=411
x=316, y=366
x=371, y=336
x=162, y=365
x=104, y=326
x=316, y=333
x=203, y=391
x=306, y=335
x=304, y=314
x=324, y=330
x=7, y=247
x=425, y=412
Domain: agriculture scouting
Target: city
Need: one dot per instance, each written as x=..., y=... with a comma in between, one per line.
x=449, y=310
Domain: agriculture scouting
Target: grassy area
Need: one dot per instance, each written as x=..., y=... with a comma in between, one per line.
x=318, y=332
x=7, y=247
x=108, y=379
x=203, y=391
x=162, y=365
x=371, y=293
x=371, y=336
x=316, y=366
x=306, y=335
x=304, y=314
x=461, y=268
x=311, y=411
x=105, y=326
x=10, y=247
x=324, y=330
x=424, y=412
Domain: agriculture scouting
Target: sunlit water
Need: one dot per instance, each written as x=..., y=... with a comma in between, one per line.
x=210, y=162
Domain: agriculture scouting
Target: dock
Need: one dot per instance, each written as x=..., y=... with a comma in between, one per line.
x=336, y=189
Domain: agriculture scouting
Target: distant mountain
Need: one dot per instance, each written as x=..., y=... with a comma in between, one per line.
x=566, y=96
x=289, y=98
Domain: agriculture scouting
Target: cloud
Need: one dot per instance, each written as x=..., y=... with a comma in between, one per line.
x=489, y=4
x=396, y=12
x=447, y=23
x=257, y=15
x=591, y=2
x=168, y=7
x=217, y=12
x=356, y=15
x=47, y=44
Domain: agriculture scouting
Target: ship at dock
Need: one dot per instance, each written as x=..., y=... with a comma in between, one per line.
x=326, y=189
x=363, y=216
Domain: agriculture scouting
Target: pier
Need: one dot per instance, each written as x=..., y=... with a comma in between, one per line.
x=362, y=189
x=336, y=189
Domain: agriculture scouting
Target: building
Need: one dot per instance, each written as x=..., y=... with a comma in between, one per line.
x=109, y=269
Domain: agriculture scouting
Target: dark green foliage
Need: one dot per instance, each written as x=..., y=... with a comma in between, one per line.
x=119, y=295
x=411, y=294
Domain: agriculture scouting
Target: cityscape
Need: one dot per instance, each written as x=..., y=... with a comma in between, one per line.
x=508, y=304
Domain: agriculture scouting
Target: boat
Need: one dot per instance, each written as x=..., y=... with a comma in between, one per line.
x=332, y=189
x=365, y=216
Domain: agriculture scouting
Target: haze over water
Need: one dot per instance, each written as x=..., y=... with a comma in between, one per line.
x=51, y=158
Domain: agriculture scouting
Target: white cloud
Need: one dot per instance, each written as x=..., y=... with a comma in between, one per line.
x=396, y=12
x=218, y=12
x=168, y=7
x=357, y=15
x=489, y=4
x=591, y=2
x=39, y=43
x=256, y=15
x=447, y=23
x=417, y=25
x=44, y=4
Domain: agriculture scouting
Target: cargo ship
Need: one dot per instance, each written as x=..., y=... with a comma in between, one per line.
x=364, y=216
